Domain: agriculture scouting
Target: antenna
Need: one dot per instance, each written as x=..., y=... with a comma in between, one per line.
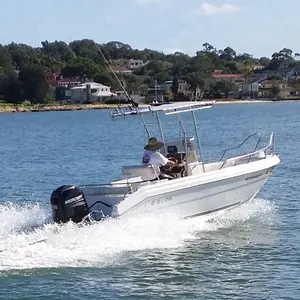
x=126, y=94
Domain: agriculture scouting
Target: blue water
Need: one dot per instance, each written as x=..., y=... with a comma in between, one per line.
x=251, y=252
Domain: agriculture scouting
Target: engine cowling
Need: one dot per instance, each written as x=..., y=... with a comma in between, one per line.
x=68, y=204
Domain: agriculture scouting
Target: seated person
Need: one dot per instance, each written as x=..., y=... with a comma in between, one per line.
x=153, y=157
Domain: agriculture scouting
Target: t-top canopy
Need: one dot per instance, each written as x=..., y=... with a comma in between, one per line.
x=172, y=108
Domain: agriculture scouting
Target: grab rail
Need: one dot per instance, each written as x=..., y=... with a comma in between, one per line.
x=264, y=150
x=251, y=135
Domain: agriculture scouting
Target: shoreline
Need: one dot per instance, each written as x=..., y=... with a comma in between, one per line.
x=72, y=107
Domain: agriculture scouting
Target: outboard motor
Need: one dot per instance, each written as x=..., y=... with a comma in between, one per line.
x=68, y=203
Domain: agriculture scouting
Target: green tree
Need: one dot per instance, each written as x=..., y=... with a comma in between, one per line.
x=175, y=85
x=11, y=89
x=132, y=83
x=275, y=91
x=222, y=89
x=88, y=49
x=195, y=82
x=58, y=50
x=34, y=83
x=6, y=63
x=155, y=67
x=22, y=55
x=202, y=66
x=281, y=59
x=227, y=54
x=49, y=63
x=264, y=61
x=81, y=67
x=106, y=79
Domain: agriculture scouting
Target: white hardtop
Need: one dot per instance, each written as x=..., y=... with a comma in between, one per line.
x=171, y=108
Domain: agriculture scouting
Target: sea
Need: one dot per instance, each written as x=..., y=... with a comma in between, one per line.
x=250, y=252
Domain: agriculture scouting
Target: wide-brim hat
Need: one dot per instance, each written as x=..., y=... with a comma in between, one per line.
x=153, y=144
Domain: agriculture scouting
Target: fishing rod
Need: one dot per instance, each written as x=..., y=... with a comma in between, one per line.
x=134, y=104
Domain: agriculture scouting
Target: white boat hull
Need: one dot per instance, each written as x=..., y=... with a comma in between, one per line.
x=194, y=196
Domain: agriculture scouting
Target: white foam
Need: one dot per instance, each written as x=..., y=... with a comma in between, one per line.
x=28, y=241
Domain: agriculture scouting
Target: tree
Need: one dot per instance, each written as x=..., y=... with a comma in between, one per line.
x=179, y=64
x=6, y=63
x=22, y=55
x=231, y=67
x=11, y=88
x=156, y=66
x=81, y=67
x=34, y=83
x=132, y=83
x=275, y=91
x=50, y=63
x=281, y=59
x=247, y=69
x=227, y=54
x=58, y=50
x=222, y=89
x=106, y=79
x=208, y=48
x=88, y=49
x=264, y=61
x=175, y=85
x=202, y=65
x=195, y=82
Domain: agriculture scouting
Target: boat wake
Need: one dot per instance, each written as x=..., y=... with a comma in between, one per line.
x=30, y=240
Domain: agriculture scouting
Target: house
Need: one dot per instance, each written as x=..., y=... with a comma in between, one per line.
x=287, y=74
x=134, y=64
x=120, y=98
x=122, y=62
x=62, y=94
x=68, y=82
x=219, y=75
x=119, y=69
x=54, y=79
x=90, y=92
x=156, y=92
x=279, y=89
x=251, y=88
x=258, y=67
x=183, y=87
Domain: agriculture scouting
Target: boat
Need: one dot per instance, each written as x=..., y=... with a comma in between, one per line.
x=202, y=189
x=157, y=102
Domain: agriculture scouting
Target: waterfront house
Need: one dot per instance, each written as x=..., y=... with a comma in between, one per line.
x=219, y=75
x=183, y=88
x=279, y=89
x=90, y=92
x=54, y=79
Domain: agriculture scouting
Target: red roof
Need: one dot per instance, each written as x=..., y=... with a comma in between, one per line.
x=226, y=76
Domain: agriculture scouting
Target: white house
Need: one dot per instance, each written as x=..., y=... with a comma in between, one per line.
x=90, y=92
x=252, y=87
x=135, y=64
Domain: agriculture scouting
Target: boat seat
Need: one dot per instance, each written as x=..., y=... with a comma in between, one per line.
x=146, y=172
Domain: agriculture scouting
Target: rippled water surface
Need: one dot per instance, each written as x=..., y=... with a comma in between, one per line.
x=251, y=252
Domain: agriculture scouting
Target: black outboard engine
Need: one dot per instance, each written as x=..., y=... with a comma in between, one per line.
x=68, y=203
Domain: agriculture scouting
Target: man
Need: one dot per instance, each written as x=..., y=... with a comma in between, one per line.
x=153, y=157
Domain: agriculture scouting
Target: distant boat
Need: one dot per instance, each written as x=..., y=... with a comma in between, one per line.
x=156, y=102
